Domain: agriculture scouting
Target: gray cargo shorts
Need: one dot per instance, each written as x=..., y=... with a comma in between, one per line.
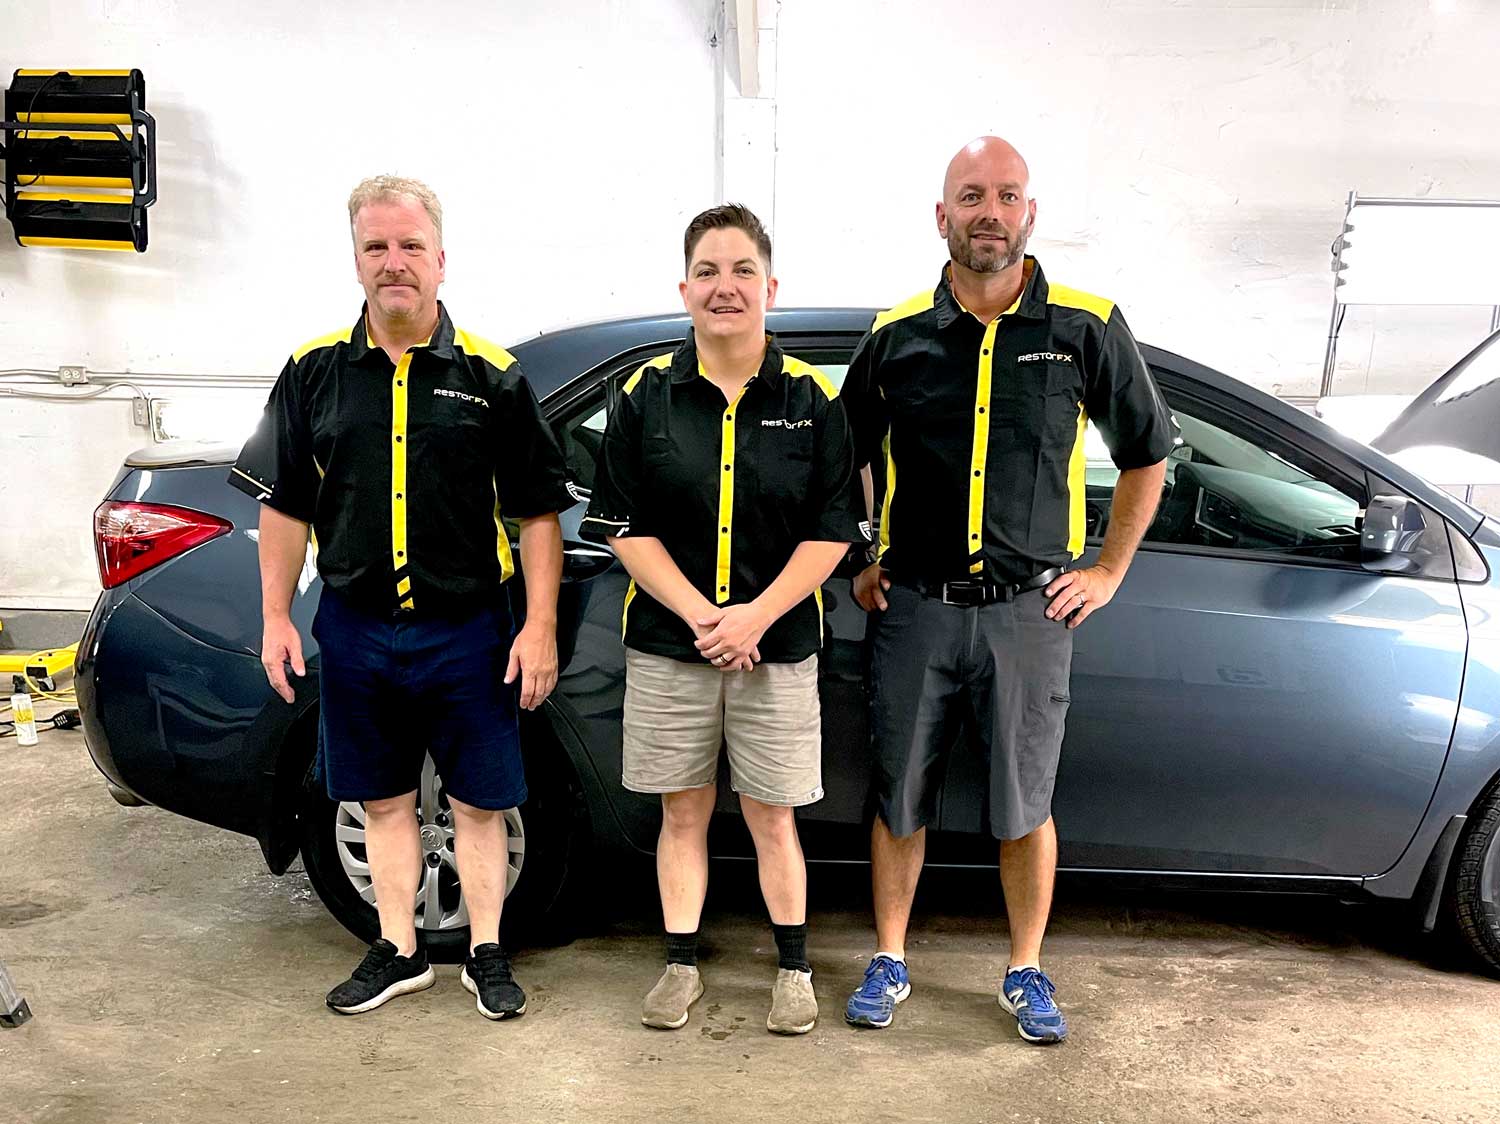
x=1005, y=666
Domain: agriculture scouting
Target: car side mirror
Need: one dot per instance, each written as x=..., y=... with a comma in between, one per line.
x=1389, y=534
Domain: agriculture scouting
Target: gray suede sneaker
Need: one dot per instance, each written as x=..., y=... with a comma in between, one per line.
x=666, y=1006
x=794, y=1008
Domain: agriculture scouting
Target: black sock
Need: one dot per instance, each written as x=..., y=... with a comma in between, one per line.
x=791, y=946
x=682, y=948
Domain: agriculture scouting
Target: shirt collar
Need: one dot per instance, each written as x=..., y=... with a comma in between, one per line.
x=440, y=343
x=1032, y=304
x=686, y=366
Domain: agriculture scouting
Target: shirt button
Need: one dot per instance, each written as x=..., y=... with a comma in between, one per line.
x=400, y=554
x=729, y=417
x=400, y=383
x=398, y=438
x=986, y=351
x=973, y=537
x=723, y=530
x=981, y=409
x=398, y=495
x=726, y=468
x=723, y=589
x=976, y=472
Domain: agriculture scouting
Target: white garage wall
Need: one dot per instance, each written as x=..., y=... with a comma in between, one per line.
x=569, y=143
x=1191, y=161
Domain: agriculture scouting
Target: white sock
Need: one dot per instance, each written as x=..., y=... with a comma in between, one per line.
x=1009, y=968
x=899, y=957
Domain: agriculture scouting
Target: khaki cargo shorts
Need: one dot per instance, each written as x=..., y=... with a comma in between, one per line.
x=678, y=715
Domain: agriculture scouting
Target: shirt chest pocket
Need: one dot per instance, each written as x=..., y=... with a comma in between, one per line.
x=452, y=412
x=778, y=460
x=1040, y=400
x=455, y=441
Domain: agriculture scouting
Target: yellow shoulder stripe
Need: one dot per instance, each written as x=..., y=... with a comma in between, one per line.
x=1077, y=298
x=478, y=345
x=919, y=303
x=341, y=336
x=798, y=369
x=661, y=363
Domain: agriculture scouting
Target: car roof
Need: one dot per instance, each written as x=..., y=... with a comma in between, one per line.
x=554, y=358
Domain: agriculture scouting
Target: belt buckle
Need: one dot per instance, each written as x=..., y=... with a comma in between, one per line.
x=967, y=594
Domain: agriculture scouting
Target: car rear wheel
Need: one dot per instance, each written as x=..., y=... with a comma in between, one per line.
x=541, y=836
x=1476, y=882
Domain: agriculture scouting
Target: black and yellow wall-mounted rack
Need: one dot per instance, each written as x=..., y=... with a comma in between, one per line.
x=80, y=158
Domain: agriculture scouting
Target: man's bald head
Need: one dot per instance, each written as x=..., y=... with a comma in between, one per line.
x=986, y=158
x=986, y=213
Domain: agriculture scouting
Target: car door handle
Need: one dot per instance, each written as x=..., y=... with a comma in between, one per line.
x=582, y=562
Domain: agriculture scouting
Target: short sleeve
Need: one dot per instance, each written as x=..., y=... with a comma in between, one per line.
x=837, y=504
x=1121, y=397
x=276, y=465
x=615, y=509
x=531, y=475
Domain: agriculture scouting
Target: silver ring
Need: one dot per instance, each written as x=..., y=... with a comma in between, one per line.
x=722, y=658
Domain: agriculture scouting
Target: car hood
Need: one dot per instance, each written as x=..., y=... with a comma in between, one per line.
x=1454, y=423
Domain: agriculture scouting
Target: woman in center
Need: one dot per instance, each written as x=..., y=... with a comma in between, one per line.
x=726, y=487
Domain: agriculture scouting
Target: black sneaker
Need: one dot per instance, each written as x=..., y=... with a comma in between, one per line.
x=487, y=974
x=381, y=975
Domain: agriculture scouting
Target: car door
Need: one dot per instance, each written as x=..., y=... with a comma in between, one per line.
x=1253, y=700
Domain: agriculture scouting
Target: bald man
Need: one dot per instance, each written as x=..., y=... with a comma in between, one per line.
x=975, y=396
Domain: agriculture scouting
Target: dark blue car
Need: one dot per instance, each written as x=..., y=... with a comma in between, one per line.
x=1297, y=687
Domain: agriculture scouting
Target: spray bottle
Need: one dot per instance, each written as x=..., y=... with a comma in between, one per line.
x=22, y=712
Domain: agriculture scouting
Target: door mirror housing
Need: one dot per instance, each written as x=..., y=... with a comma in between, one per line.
x=1390, y=534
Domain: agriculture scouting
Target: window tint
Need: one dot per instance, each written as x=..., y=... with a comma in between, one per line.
x=581, y=432
x=1235, y=491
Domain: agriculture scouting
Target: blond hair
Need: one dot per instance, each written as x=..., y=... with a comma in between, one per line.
x=385, y=189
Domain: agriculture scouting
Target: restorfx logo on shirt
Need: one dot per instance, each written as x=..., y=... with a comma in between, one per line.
x=786, y=423
x=472, y=399
x=1044, y=357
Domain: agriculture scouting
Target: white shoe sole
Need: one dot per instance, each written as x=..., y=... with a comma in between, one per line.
x=791, y=1029
x=473, y=988
x=899, y=997
x=1005, y=1006
x=679, y=1023
x=400, y=987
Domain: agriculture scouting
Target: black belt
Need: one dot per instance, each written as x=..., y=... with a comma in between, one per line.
x=974, y=592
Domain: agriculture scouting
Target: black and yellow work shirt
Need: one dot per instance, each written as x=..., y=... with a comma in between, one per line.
x=981, y=427
x=730, y=489
x=404, y=469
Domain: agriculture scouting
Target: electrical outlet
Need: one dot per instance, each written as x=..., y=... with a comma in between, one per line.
x=140, y=412
x=73, y=376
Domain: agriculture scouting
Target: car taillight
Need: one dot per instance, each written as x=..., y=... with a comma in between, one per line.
x=131, y=538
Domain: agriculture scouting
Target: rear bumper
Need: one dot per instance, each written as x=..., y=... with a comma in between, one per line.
x=174, y=722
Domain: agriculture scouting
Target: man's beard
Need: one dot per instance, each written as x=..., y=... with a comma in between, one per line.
x=981, y=259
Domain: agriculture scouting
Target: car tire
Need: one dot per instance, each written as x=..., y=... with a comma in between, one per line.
x=1476, y=883
x=545, y=835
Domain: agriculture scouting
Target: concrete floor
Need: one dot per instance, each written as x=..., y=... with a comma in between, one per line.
x=173, y=979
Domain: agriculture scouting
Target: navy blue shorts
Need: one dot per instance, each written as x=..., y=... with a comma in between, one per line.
x=394, y=690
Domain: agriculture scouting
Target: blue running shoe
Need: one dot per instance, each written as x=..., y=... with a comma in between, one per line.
x=874, y=1004
x=1027, y=993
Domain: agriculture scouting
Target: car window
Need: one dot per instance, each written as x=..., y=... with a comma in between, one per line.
x=835, y=372
x=581, y=433
x=1235, y=491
